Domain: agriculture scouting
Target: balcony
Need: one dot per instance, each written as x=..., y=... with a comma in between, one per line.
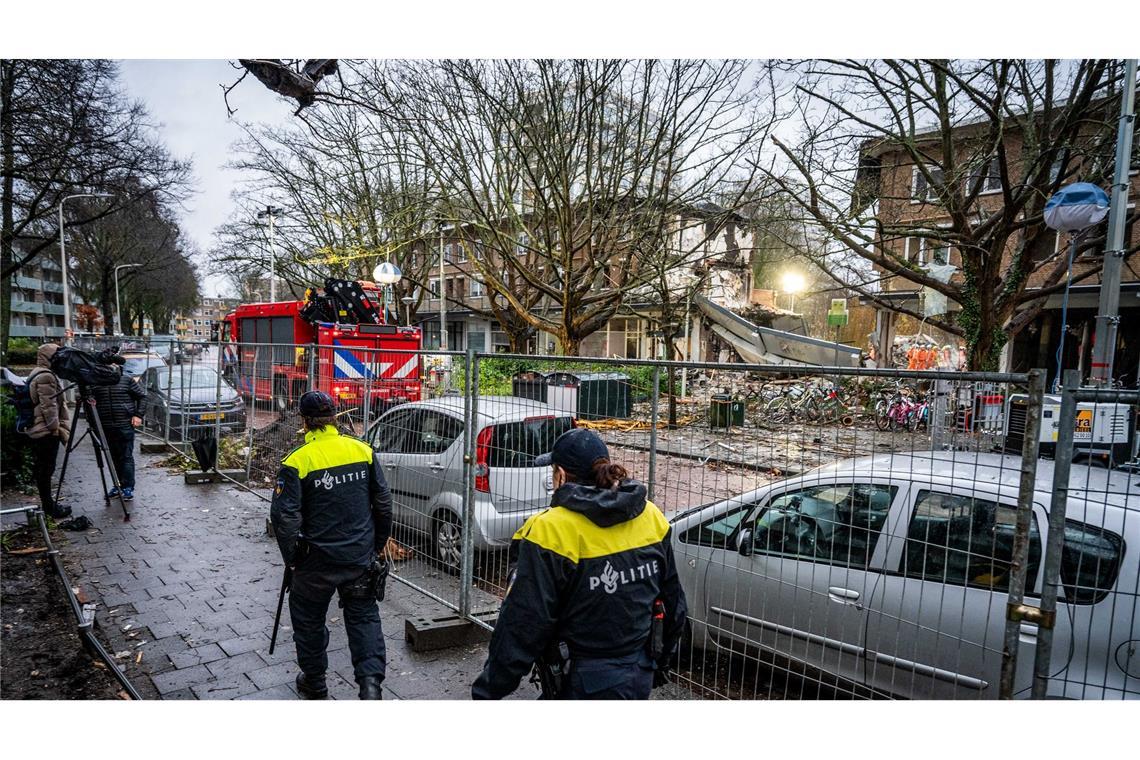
x=27, y=307
x=28, y=283
x=52, y=287
x=53, y=308
x=35, y=331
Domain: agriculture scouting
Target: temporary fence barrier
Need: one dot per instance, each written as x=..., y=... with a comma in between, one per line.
x=839, y=532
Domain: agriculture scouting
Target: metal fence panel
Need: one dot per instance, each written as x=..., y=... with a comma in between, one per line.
x=839, y=532
x=1088, y=640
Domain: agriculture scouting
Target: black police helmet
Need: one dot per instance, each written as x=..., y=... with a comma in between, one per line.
x=316, y=404
x=575, y=451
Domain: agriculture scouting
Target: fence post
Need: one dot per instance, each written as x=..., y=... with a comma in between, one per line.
x=169, y=401
x=312, y=367
x=1020, y=560
x=653, y=418
x=470, y=417
x=218, y=411
x=1062, y=463
x=366, y=412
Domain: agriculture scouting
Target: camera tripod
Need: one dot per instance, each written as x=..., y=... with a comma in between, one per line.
x=86, y=406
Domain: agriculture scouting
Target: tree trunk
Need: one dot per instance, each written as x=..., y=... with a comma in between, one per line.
x=7, y=222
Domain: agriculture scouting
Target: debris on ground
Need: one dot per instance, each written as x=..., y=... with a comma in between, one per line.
x=41, y=654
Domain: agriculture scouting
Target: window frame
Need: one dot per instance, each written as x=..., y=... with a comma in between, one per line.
x=990, y=174
x=929, y=196
x=901, y=535
x=895, y=489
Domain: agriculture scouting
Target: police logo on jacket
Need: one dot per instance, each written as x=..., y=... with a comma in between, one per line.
x=589, y=570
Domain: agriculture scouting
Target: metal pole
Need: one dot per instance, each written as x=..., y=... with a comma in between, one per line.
x=1019, y=564
x=688, y=343
x=653, y=417
x=1108, y=313
x=1063, y=460
x=217, y=409
x=272, y=259
x=442, y=300
x=471, y=421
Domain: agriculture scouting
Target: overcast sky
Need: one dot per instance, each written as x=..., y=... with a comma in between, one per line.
x=184, y=98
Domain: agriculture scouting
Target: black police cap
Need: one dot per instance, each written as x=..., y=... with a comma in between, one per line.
x=316, y=404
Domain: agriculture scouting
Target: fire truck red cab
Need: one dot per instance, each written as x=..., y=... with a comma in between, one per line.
x=271, y=353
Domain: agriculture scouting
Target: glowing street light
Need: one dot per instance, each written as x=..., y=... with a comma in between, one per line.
x=793, y=283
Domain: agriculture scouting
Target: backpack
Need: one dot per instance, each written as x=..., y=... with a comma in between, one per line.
x=20, y=396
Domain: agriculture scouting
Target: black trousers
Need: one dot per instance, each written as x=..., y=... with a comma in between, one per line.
x=44, y=453
x=629, y=677
x=121, y=442
x=313, y=587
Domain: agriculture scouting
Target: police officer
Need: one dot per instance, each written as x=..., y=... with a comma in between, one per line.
x=591, y=573
x=332, y=515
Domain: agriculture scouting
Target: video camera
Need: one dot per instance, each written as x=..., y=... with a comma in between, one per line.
x=88, y=368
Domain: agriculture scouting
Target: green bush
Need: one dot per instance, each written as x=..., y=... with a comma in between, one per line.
x=21, y=351
x=15, y=453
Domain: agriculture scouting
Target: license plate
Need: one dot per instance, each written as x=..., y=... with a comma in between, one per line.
x=212, y=415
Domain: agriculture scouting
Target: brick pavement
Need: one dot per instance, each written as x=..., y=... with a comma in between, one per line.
x=191, y=583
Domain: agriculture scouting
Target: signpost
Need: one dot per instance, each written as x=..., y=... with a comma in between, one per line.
x=837, y=317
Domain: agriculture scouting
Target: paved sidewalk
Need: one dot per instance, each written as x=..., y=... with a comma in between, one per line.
x=191, y=583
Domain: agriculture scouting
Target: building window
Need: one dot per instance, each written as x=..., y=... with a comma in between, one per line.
x=985, y=177
x=923, y=251
x=461, y=252
x=523, y=244
x=921, y=190
x=476, y=287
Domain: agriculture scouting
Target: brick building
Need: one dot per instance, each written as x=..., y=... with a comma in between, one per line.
x=907, y=199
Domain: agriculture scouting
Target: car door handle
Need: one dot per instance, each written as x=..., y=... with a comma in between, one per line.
x=844, y=596
x=1028, y=633
x=390, y=464
x=436, y=466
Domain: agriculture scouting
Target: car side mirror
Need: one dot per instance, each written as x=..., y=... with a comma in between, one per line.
x=744, y=543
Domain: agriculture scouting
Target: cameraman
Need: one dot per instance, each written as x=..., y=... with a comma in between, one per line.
x=120, y=408
x=50, y=427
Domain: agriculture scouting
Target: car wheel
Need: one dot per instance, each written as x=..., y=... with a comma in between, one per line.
x=447, y=541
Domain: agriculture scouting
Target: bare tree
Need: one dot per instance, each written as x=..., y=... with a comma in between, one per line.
x=956, y=155
x=563, y=172
x=352, y=198
x=65, y=128
x=147, y=235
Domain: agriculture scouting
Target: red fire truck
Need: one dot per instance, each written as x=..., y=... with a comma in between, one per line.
x=335, y=341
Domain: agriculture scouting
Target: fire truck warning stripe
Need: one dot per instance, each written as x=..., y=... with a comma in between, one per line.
x=409, y=367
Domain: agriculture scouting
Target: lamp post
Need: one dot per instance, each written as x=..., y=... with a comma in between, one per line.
x=387, y=274
x=1073, y=209
x=63, y=260
x=793, y=283
x=271, y=213
x=118, y=308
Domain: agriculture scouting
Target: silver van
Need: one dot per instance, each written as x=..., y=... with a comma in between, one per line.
x=421, y=448
x=892, y=572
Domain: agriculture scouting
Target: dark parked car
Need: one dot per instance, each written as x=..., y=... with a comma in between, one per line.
x=190, y=395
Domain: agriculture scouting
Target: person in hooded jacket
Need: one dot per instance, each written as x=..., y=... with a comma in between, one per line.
x=51, y=426
x=589, y=571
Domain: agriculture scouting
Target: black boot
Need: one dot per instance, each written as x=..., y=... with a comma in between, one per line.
x=370, y=687
x=312, y=687
x=58, y=511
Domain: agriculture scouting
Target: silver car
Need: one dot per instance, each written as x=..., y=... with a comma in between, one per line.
x=421, y=448
x=892, y=572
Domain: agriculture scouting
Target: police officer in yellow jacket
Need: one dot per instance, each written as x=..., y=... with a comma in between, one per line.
x=332, y=515
x=591, y=573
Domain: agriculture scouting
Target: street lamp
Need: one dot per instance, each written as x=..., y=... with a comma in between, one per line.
x=387, y=274
x=1073, y=209
x=118, y=308
x=271, y=213
x=793, y=283
x=63, y=260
